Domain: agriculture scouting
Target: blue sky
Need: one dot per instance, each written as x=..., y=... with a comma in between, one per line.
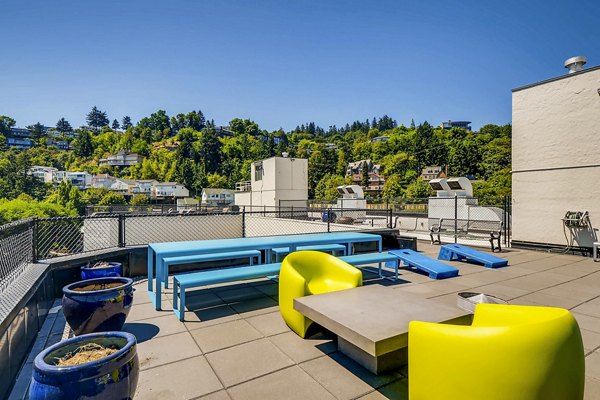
x=282, y=63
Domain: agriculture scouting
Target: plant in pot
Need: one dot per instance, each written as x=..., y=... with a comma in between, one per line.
x=97, y=305
x=101, y=269
x=95, y=366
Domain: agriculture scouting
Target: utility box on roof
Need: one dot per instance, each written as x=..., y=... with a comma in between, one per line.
x=274, y=180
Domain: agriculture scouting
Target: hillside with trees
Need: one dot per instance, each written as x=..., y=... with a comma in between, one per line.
x=190, y=149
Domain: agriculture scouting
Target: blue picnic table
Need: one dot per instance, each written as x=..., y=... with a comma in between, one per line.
x=157, y=252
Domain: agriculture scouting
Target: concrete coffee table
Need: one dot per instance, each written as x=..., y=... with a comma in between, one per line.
x=372, y=321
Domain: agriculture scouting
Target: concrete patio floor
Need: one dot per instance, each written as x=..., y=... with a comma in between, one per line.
x=234, y=344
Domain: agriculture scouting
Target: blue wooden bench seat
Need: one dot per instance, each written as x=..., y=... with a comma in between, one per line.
x=233, y=255
x=214, y=276
x=334, y=248
x=451, y=252
x=371, y=258
x=435, y=268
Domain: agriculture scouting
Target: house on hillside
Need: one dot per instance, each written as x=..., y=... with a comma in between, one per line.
x=122, y=159
x=456, y=124
x=102, y=181
x=380, y=139
x=81, y=180
x=217, y=197
x=432, y=172
x=44, y=174
x=376, y=179
x=162, y=190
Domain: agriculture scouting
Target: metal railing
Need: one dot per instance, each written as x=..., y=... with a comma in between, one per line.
x=16, y=250
x=27, y=241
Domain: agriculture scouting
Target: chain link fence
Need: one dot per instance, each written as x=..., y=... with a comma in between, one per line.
x=16, y=250
x=454, y=218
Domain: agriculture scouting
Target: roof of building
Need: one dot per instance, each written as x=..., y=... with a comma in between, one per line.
x=557, y=78
x=103, y=176
x=216, y=190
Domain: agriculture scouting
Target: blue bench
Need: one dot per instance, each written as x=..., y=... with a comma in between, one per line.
x=168, y=261
x=214, y=276
x=435, y=269
x=370, y=258
x=451, y=252
x=334, y=248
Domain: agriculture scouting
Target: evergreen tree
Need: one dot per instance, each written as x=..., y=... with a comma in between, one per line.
x=6, y=123
x=63, y=126
x=412, y=124
x=126, y=123
x=115, y=125
x=209, y=150
x=97, y=118
x=83, y=146
x=365, y=175
x=38, y=131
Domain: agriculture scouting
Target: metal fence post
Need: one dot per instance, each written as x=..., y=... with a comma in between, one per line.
x=121, y=222
x=391, y=217
x=329, y=220
x=244, y=221
x=455, y=218
x=34, y=234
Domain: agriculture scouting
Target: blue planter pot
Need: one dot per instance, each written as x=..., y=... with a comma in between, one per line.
x=114, y=269
x=112, y=377
x=88, y=307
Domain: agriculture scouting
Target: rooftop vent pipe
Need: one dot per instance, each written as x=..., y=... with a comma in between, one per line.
x=575, y=64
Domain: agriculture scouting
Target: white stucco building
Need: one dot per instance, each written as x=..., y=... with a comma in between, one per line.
x=273, y=181
x=556, y=160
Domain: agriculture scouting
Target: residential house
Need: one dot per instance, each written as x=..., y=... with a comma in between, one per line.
x=20, y=138
x=123, y=186
x=162, y=190
x=103, y=181
x=376, y=179
x=217, y=197
x=122, y=159
x=432, y=172
x=456, y=124
x=81, y=180
x=44, y=174
x=143, y=186
x=380, y=139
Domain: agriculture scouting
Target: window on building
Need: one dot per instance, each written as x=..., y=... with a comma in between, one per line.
x=258, y=172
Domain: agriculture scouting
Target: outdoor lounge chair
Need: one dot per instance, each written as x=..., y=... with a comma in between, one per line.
x=311, y=272
x=509, y=352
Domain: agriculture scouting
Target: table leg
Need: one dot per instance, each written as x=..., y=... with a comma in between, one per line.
x=151, y=275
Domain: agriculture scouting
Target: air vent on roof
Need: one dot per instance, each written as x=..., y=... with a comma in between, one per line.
x=575, y=64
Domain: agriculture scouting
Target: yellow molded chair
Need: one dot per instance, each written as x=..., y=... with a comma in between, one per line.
x=311, y=272
x=509, y=352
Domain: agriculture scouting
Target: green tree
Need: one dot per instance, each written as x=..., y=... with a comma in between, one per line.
x=111, y=198
x=209, y=150
x=63, y=126
x=365, y=175
x=327, y=187
x=83, y=146
x=418, y=189
x=126, y=123
x=139, y=200
x=115, y=125
x=25, y=207
x=38, y=132
x=216, y=181
x=97, y=118
x=392, y=187
x=6, y=124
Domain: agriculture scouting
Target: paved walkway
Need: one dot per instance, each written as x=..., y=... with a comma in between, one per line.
x=234, y=345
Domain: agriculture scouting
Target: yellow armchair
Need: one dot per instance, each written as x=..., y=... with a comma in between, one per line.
x=508, y=353
x=311, y=272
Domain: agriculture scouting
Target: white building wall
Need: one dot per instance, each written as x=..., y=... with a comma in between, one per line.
x=556, y=158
